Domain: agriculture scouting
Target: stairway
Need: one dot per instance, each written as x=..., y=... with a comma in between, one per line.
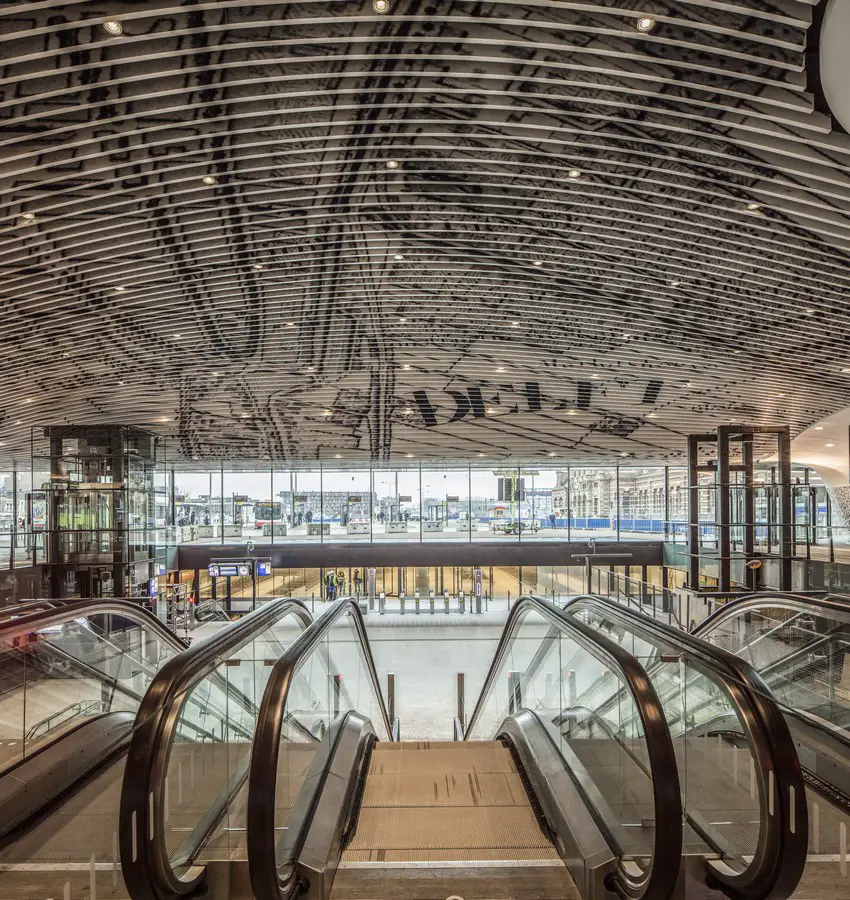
x=443, y=819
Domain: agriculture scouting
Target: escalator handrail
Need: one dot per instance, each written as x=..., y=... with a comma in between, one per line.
x=778, y=861
x=262, y=777
x=144, y=859
x=84, y=609
x=659, y=880
x=764, y=599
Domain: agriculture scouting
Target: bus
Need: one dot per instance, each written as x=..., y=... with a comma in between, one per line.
x=265, y=511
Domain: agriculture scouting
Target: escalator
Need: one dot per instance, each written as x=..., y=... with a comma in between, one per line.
x=568, y=782
x=800, y=645
x=80, y=684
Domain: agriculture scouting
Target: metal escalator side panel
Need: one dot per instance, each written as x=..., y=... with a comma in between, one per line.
x=774, y=866
x=182, y=769
x=310, y=681
x=555, y=641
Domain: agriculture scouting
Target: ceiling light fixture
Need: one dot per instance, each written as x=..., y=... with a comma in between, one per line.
x=27, y=218
x=624, y=453
x=491, y=410
x=164, y=419
x=392, y=163
x=311, y=368
x=216, y=374
x=177, y=337
x=410, y=456
x=753, y=207
x=258, y=267
x=328, y=412
x=551, y=453
x=537, y=262
x=818, y=427
x=809, y=312
x=113, y=27
x=645, y=24
x=19, y=422
x=402, y=319
x=675, y=282
x=846, y=370
x=500, y=369
x=594, y=376
x=119, y=289
x=627, y=336
x=406, y=366
x=381, y=6
x=781, y=394
x=209, y=180
x=652, y=415
x=398, y=257
x=408, y=411
x=337, y=456
x=514, y=324
x=290, y=324
x=246, y=415
x=574, y=174
x=572, y=412
x=829, y=445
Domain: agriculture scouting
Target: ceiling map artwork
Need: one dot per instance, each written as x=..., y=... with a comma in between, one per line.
x=314, y=230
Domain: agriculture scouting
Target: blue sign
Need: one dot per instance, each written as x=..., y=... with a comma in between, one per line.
x=153, y=587
x=264, y=567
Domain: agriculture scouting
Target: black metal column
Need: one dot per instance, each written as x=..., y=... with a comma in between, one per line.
x=723, y=510
x=786, y=504
x=748, y=459
x=693, y=512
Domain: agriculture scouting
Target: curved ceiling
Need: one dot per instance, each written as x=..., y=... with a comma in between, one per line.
x=311, y=230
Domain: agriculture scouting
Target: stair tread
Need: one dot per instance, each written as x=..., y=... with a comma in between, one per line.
x=458, y=828
x=438, y=760
x=395, y=789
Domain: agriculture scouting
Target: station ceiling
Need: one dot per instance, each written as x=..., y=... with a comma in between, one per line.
x=439, y=230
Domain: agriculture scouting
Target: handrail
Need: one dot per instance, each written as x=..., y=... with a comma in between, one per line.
x=262, y=778
x=780, y=856
x=83, y=609
x=776, y=599
x=659, y=879
x=144, y=860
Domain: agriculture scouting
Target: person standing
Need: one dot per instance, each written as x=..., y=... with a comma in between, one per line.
x=356, y=578
x=340, y=580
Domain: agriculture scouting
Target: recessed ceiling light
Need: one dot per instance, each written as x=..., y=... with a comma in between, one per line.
x=119, y=289
x=381, y=6
x=164, y=419
x=574, y=174
x=686, y=384
x=290, y=324
x=19, y=422
x=537, y=262
x=810, y=312
x=402, y=319
x=753, y=207
x=735, y=352
x=337, y=456
x=624, y=453
x=398, y=257
x=675, y=282
x=500, y=369
x=572, y=412
x=120, y=382
x=408, y=411
x=27, y=218
x=491, y=410
x=27, y=400
x=328, y=412
x=113, y=27
x=594, y=376
x=311, y=368
x=2, y=443
x=258, y=266
x=627, y=336
x=177, y=337
x=410, y=456
x=846, y=370
x=481, y=454
x=216, y=374
x=829, y=445
x=514, y=324
x=65, y=355
x=651, y=415
x=781, y=394
x=196, y=458
x=645, y=24
x=246, y=415
x=551, y=453
x=209, y=180
x=406, y=366
x=392, y=164
x=818, y=427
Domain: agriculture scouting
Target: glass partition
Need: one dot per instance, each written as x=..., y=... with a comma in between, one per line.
x=587, y=709
x=720, y=783
x=397, y=507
